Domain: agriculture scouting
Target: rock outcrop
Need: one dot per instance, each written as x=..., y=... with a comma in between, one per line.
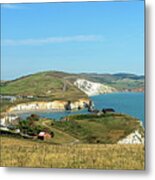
x=9, y=120
x=137, y=89
x=92, y=88
x=133, y=138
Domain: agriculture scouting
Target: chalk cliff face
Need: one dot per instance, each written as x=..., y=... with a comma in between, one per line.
x=9, y=120
x=53, y=105
x=133, y=138
x=92, y=88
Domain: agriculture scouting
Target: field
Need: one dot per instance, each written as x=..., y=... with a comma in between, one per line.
x=25, y=153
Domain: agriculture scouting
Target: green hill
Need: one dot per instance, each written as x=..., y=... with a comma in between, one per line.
x=104, y=129
x=51, y=85
x=59, y=85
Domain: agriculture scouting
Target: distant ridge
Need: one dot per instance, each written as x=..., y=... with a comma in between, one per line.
x=126, y=75
x=60, y=85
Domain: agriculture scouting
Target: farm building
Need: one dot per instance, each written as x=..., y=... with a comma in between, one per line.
x=45, y=135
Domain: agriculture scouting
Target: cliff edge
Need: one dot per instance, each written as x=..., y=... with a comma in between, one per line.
x=92, y=88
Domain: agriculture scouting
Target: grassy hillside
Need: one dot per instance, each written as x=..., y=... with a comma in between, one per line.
x=51, y=85
x=104, y=129
x=25, y=153
x=60, y=85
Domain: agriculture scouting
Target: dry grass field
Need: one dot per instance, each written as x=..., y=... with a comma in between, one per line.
x=25, y=153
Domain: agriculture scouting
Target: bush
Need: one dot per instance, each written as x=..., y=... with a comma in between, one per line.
x=33, y=117
x=28, y=127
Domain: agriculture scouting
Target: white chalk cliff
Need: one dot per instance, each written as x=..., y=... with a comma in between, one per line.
x=53, y=105
x=133, y=138
x=92, y=88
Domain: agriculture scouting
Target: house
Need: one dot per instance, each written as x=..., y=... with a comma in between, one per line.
x=44, y=136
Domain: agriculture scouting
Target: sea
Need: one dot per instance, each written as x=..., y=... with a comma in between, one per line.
x=131, y=103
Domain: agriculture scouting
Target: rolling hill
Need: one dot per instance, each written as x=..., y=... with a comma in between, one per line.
x=45, y=84
x=60, y=85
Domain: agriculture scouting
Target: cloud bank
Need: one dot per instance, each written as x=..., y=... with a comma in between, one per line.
x=50, y=40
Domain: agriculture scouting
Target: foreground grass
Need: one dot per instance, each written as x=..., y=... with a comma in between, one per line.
x=26, y=153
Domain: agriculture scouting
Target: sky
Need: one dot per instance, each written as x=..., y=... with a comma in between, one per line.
x=100, y=37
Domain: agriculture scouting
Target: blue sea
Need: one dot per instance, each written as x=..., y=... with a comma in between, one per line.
x=131, y=103
x=128, y=103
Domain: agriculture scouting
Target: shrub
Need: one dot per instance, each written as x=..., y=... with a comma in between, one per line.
x=33, y=117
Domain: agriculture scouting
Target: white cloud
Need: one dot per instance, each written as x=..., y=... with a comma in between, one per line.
x=50, y=40
x=11, y=6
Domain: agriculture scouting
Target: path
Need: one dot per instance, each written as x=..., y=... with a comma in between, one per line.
x=68, y=136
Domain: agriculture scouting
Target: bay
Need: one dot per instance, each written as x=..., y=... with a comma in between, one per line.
x=131, y=103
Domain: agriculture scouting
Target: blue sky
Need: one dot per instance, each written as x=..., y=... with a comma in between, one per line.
x=102, y=37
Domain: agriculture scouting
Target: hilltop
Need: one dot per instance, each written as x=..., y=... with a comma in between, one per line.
x=51, y=85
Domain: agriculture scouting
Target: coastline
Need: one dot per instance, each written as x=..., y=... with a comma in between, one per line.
x=60, y=104
x=51, y=106
x=58, y=110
